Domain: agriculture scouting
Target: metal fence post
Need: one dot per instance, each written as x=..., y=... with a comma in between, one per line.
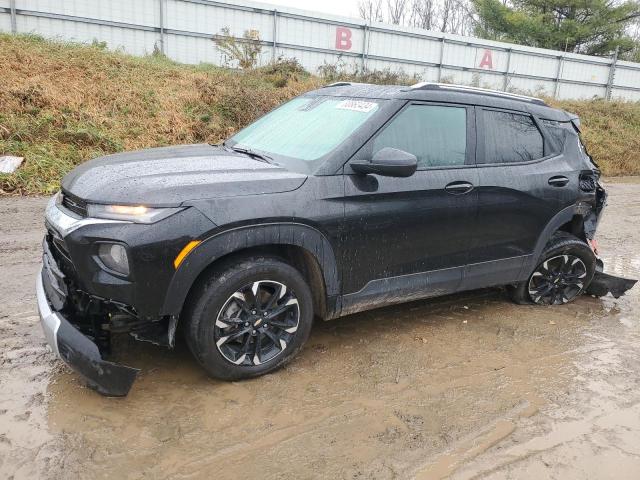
x=556, y=90
x=161, y=2
x=274, y=33
x=364, y=48
x=441, y=59
x=12, y=8
x=612, y=74
x=506, y=73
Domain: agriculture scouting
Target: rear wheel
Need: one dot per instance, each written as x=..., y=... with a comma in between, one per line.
x=249, y=318
x=563, y=273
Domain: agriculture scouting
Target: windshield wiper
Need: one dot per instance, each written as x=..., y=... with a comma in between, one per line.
x=247, y=151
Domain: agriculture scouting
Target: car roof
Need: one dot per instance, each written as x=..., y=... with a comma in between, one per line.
x=447, y=93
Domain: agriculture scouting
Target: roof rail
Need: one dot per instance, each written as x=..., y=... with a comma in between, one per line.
x=337, y=84
x=485, y=91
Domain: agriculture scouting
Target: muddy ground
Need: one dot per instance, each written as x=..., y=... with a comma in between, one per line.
x=467, y=386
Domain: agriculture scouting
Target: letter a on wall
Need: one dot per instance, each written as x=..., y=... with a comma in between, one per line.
x=487, y=60
x=343, y=38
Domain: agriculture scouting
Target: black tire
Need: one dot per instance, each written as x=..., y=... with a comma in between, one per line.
x=204, y=318
x=561, y=244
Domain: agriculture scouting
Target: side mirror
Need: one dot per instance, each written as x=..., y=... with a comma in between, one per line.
x=388, y=162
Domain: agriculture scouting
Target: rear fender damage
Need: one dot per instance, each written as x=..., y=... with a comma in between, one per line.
x=602, y=283
x=589, y=217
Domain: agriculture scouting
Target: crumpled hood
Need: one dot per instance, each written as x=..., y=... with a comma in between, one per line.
x=171, y=175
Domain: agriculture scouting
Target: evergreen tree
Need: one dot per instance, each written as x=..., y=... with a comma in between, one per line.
x=594, y=27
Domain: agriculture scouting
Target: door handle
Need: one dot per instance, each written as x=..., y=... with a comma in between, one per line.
x=459, y=187
x=558, y=181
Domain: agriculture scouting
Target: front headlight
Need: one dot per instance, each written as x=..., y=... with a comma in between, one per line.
x=130, y=213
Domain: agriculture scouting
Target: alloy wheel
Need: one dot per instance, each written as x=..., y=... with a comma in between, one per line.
x=257, y=323
x=557, y=280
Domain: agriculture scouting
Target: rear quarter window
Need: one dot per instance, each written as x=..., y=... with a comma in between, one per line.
x=561, y=131
x=510, y=138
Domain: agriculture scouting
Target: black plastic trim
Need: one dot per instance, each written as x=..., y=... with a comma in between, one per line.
x=229, y=241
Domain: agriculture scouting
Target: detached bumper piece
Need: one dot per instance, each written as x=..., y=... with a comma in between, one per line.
x=604, y=283
x=75, y=349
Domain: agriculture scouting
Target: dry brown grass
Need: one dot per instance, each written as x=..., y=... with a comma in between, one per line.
x=61, y=104
x=611, y=132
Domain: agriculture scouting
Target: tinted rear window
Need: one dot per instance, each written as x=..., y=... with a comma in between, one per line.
x=510, y=138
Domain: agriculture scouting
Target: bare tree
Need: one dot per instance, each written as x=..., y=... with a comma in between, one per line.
x=397, y=10
x=424, y=14
x=444, y=16
x=371, y=10
x=456, y=17
x=448, y=16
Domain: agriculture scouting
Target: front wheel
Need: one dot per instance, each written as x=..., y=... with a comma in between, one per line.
x=249, y=318
x=563, y=273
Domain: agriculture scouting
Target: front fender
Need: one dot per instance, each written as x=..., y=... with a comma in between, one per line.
x=240, y=238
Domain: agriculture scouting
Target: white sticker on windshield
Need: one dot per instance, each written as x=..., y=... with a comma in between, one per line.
x=357, y=105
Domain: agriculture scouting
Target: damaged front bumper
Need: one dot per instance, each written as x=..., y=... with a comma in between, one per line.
x=77, y=350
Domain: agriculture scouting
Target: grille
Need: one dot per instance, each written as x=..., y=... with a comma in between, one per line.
x=58, y=247
x=74, y=204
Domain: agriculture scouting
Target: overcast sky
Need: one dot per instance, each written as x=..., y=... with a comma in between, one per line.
x=345, y=8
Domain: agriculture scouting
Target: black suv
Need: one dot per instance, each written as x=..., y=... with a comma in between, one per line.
x=347, y=198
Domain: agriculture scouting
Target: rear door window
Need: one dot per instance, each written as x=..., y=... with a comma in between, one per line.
x=510, y=138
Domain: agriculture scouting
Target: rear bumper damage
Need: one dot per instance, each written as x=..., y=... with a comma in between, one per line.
x=603, y=283
x=77, y=350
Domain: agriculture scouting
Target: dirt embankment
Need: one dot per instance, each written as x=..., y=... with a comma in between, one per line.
x=62, y=104
x=470, y=386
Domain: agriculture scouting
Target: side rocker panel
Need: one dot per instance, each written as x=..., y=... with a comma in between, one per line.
x=240, y=238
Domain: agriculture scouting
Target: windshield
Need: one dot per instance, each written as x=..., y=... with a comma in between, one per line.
x=306, y=128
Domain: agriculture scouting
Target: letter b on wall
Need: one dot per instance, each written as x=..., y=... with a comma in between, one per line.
x=343, y=38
